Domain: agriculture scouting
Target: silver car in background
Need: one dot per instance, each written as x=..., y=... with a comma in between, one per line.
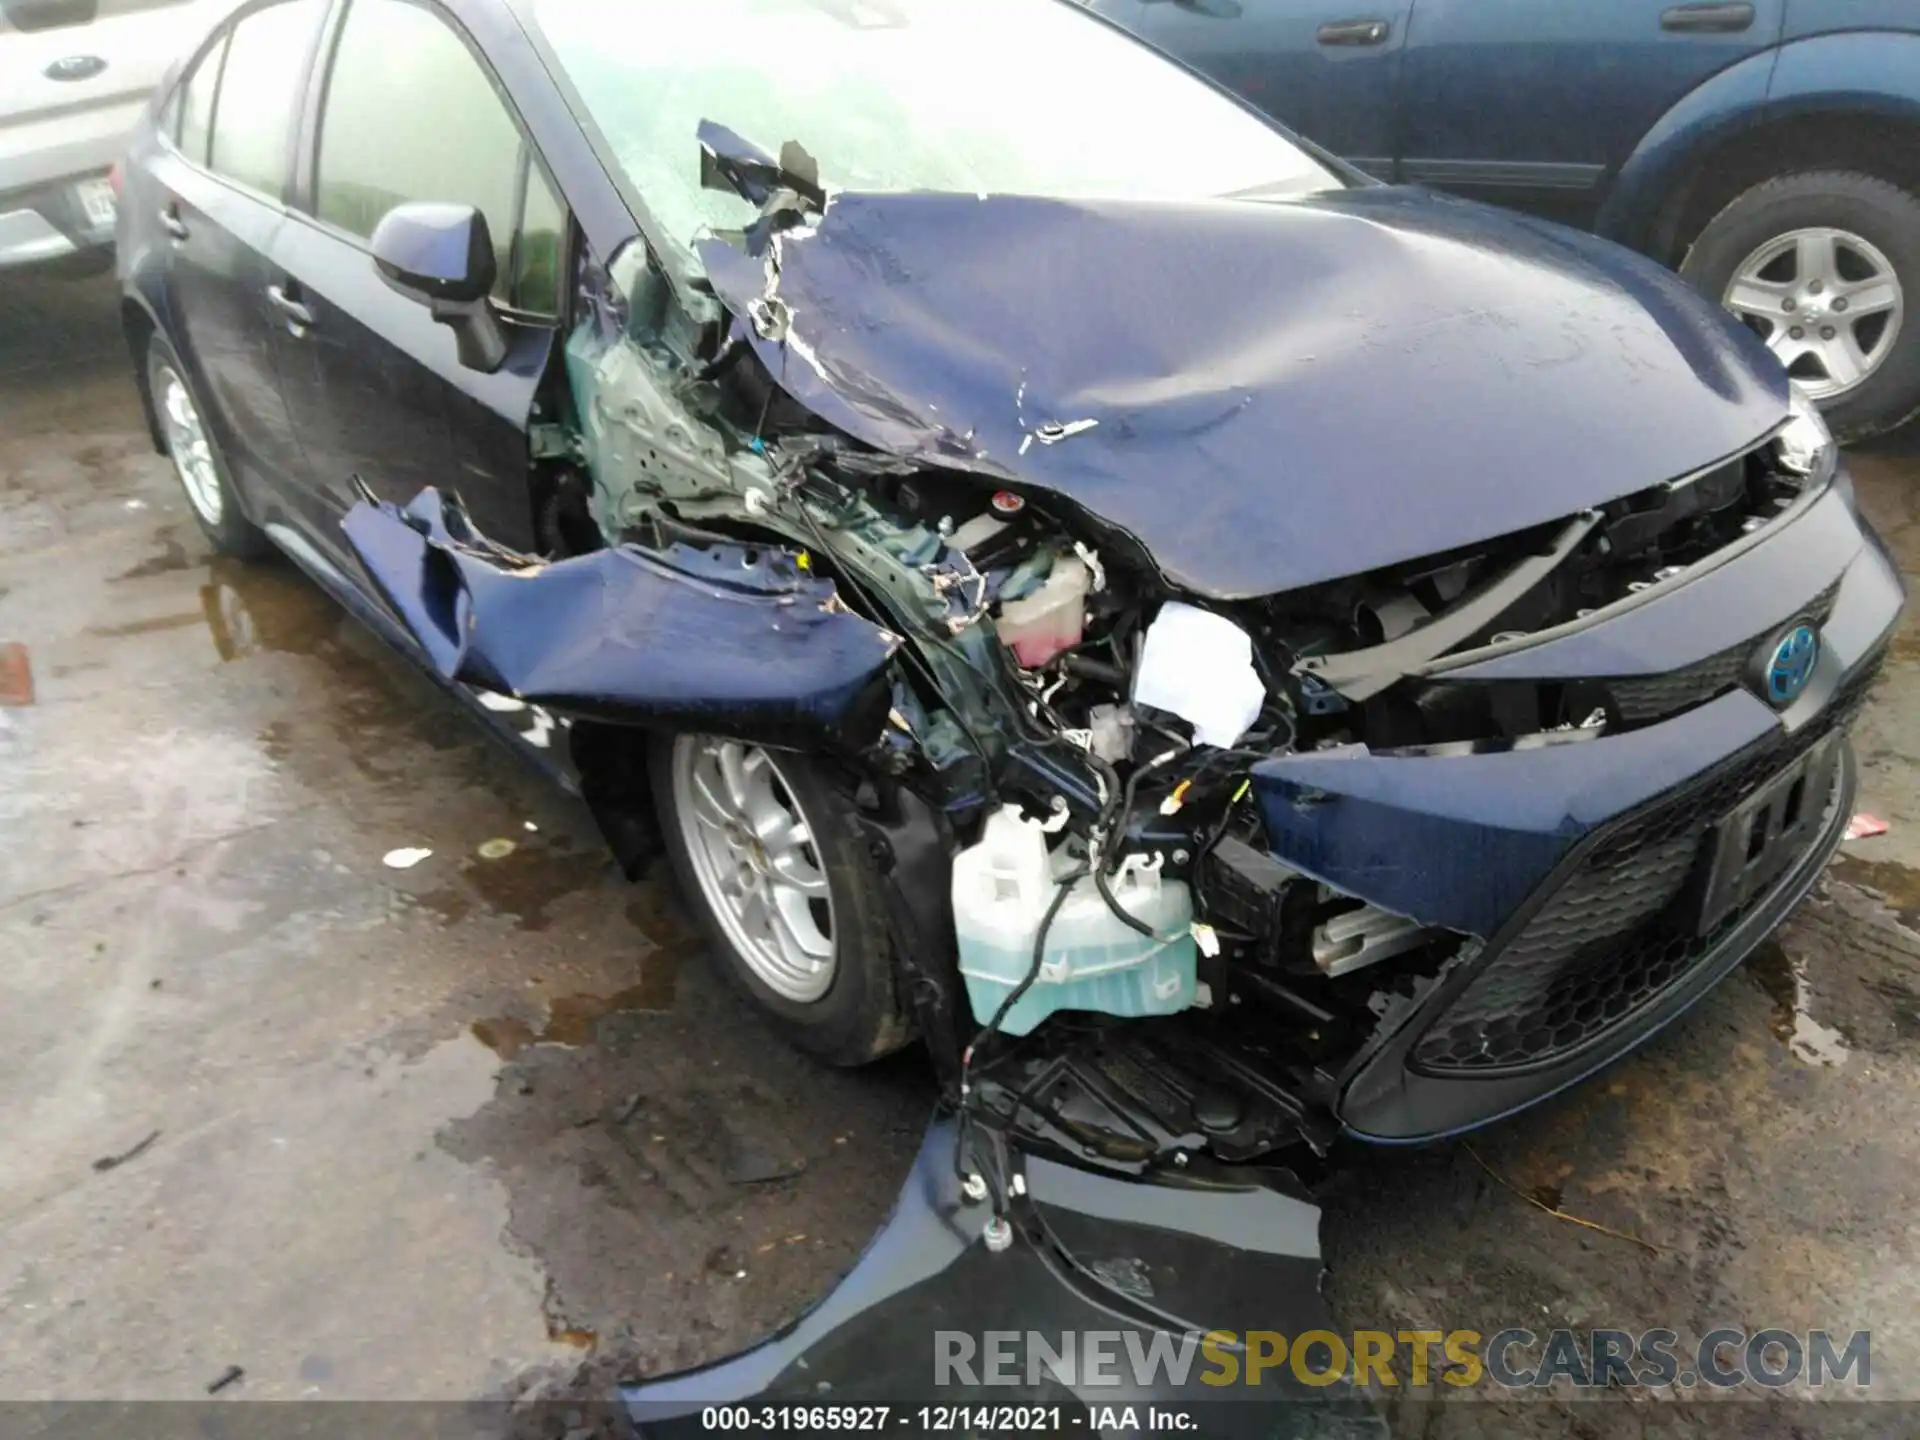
x=74, y=78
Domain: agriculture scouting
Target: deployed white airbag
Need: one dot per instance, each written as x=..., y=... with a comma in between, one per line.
x=1199, y=666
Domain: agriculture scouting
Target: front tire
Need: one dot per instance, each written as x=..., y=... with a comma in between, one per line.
x=1825, y=267
x=197, y=462
x=768, y=857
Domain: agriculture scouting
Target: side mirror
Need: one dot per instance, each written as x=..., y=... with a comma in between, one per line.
x=441, y=256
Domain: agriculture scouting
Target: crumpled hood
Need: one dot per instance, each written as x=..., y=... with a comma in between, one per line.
x=1279, y=393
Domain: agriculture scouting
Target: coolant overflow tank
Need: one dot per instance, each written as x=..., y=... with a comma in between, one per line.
x=1093, y=960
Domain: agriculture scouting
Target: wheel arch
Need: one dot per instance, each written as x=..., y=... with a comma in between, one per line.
x=1842, y=101
x=138, y=326
x=1716, y=111
x=1882, y=142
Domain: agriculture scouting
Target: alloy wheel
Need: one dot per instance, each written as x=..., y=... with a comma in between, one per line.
x=1826, y=301
x=758, y=869
x=187, y=443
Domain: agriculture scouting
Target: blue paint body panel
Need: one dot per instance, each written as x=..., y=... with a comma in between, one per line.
x=1460, y=840
x=1253, y=396
x=1712, y=114
x=1867, y=71
x=1233, y=1255
x=679, y=638
x=1224, y=367
x=444, y=248
x=1597, y=115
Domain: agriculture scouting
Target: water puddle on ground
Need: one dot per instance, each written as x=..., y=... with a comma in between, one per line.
x=361, y=701
x=572, y=1020
x=246, y=607
x=250, y=608
x=151, y=626
x=522, y=884
x=1895, y=884
x=172, y=557
x=1806, y=1039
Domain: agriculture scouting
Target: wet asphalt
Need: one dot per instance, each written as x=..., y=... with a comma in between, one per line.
x=488, y=1126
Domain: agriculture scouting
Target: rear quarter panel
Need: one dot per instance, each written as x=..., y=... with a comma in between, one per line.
x=1816, y=17
x=1824, y=67
x=1733, y=100
x=1873, y=72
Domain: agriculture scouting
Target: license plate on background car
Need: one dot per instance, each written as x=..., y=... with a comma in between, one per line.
x=96, y=198
x=1767, y=832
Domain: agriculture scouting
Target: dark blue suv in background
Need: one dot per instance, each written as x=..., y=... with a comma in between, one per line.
x=1768, y=149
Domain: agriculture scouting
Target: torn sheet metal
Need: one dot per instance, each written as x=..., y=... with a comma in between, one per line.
x=731, y=639
x=1140, y=1264
x=1212, y=377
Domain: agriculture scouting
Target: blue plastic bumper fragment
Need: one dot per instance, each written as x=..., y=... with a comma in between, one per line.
x=1595, y=870
x=1144, y=1269
x=1460, y=841
x=732, y=639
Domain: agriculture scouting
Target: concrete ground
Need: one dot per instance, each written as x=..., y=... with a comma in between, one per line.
x=485, y=1124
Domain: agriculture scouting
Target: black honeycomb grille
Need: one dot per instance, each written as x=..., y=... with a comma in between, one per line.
x=1640, y=698
x=1609, y=940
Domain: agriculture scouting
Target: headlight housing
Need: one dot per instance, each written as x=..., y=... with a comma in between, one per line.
x=1804, y=445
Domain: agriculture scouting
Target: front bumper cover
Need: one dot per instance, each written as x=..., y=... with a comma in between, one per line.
x=1391, y=1097
x=1094, y=1256
x=1501, y=845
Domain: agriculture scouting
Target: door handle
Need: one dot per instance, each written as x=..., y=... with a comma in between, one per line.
x=1353, y=32
x=171, y=222
x=299, y=317
x=1710, y=19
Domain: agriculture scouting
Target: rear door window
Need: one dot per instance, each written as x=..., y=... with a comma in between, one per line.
x=195, y=103
x=411, y=114
x=253, y=114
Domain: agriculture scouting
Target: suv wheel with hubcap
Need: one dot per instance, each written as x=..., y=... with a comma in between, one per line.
x=1824, y=267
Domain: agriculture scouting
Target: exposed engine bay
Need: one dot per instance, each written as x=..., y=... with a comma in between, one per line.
x=1071, y=761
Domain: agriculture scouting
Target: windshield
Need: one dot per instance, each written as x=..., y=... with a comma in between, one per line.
x=1022, y=97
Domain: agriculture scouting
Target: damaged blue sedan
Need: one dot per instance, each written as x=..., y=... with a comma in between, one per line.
x=1226, y=652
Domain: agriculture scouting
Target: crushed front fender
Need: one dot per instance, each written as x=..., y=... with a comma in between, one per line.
x=730, y=638
x=1139, y=1269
